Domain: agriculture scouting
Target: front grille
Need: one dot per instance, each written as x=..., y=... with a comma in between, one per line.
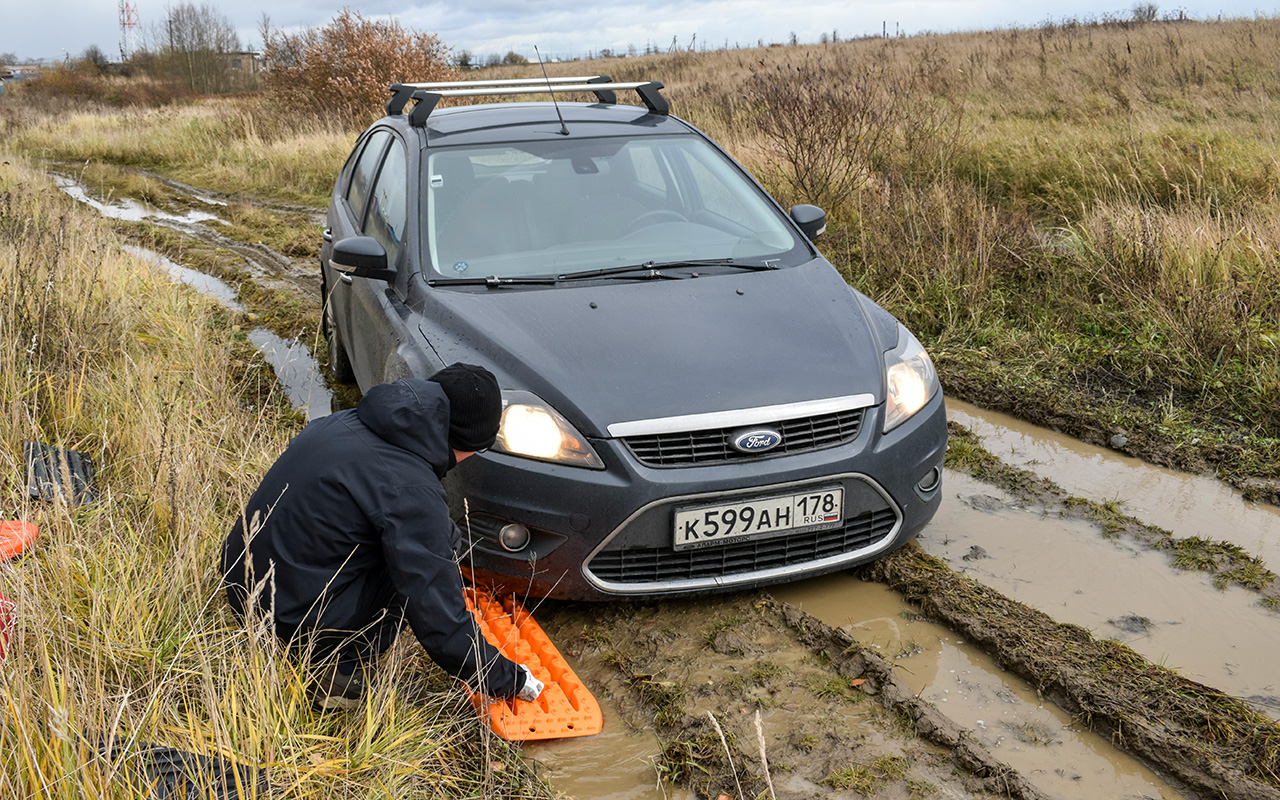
x=712, y=446
x=652, y=564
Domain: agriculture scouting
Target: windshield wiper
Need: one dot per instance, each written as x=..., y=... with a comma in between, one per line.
x=492, y=281
x=652, y=269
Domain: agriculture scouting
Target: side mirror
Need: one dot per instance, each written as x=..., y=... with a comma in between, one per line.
x=361, y=257
x=811, y=219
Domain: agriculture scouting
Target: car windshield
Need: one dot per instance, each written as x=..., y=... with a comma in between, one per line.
x=550, y=208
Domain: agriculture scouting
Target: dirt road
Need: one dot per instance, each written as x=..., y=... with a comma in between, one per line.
x=1074, y=623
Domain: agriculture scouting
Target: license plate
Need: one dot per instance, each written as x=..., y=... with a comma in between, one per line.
x=814, y=510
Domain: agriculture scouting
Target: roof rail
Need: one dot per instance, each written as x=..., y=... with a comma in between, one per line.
x=427, y=95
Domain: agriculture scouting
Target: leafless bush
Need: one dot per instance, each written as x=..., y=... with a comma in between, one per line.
x=826, y=123
x=345, y=68
x=836, y=122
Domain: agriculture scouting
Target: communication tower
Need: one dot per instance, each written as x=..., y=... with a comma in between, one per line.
x=128, y=29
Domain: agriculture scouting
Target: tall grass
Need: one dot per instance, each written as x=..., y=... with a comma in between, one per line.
x=122, y=632
x=229, y=145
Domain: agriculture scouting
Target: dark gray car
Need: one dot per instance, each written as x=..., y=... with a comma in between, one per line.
x=694, y=399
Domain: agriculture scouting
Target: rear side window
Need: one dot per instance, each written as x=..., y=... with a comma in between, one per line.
x=387, y=214
x=362, y=175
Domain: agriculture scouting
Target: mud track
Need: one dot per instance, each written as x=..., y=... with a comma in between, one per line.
x=1215, y=744
x=835, y=720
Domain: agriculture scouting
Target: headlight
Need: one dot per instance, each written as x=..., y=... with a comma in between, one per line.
x=910, y=377
x=533, y=429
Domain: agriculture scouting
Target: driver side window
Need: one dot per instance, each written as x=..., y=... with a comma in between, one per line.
x=388, y=216
x=362, y=175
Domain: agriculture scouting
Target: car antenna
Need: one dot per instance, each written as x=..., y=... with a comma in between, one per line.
x=564, y=129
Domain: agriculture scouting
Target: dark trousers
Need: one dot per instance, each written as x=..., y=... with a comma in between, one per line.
x=359, y=645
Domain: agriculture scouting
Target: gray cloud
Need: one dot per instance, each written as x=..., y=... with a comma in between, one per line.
x=566, y=28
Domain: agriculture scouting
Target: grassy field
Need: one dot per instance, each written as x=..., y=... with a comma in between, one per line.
x=1081, y=221
x=121, y=632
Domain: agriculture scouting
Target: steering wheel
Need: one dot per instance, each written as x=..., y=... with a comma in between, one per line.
x=653, y=218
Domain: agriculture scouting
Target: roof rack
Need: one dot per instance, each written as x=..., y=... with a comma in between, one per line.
x=427, y=95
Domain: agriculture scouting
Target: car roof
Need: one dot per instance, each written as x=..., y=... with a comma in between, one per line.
x=490, y=123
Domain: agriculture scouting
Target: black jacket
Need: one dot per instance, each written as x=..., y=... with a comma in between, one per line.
x=354, y=509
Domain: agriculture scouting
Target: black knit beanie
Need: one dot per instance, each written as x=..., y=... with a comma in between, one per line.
x=475, y=406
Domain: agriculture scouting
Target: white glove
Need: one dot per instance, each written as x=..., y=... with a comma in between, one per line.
x=532, y=686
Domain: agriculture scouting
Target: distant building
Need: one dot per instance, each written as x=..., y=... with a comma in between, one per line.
x=245, y=63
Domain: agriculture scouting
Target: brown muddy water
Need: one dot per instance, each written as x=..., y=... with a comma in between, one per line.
x=297, y=370
x=1187, y=505
x=1060, y=757
x=299, y=373
x=615, y=764
x=1115, y=587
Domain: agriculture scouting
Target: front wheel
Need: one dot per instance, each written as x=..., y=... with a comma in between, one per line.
x=339, y=363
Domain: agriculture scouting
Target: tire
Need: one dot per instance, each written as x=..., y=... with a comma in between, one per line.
x=339, y=363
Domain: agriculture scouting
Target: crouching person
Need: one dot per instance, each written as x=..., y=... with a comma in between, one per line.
x=349, y=536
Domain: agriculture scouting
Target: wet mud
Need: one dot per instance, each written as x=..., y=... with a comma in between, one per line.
x=749, y=696
x=1003, y=713
x=267, y=267
x=1211, y=742
x=1113, y=587
x=1184, y=504
x=297, y=371
x=1227, y=562
x=1220, y=451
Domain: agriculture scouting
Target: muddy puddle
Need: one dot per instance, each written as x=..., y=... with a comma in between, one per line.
x=1060, y=757
x=615, y=764
x=299, y=373
x=736, y=696
x=268, y=268
x=128, y=209
x=1187, y=505
x=1113, y=587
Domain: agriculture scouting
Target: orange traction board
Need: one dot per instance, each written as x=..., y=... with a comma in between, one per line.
x=15, y=538
x=564, y=709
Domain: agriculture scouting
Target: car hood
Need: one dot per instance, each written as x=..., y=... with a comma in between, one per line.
x=610, y=351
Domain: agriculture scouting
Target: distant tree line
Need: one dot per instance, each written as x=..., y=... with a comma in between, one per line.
x=194, y=48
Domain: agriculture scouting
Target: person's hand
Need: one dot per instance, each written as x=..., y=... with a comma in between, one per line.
x=532, y=686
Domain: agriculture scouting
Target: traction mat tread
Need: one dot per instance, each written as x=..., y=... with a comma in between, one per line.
x=566, y=708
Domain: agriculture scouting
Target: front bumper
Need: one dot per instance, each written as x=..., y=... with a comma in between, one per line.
x=606, y=534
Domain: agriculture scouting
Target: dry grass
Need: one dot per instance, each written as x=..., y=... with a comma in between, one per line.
x=229, y=145
x=121, y=628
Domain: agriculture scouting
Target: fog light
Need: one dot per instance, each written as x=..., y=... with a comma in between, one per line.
x=930, y=481
x=513, y=537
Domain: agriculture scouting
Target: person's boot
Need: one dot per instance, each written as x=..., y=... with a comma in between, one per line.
x=334, y=690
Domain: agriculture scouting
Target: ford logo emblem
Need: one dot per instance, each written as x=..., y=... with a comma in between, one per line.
x=756, y=440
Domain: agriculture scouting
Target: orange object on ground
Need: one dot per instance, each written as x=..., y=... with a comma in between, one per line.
x=6, y=620
x=564, y=709
x=15, y=538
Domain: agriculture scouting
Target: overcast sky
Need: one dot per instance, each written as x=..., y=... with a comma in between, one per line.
x=49, y=29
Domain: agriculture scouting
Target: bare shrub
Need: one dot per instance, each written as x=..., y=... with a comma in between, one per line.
x=344, y=68
x=836, y=122
x=826, y=122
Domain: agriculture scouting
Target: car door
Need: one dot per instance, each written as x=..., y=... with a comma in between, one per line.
x=378, y=312
x=346, y=219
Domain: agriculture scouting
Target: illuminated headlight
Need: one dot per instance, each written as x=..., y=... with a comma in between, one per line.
x=533, y=429
x=911, y=379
